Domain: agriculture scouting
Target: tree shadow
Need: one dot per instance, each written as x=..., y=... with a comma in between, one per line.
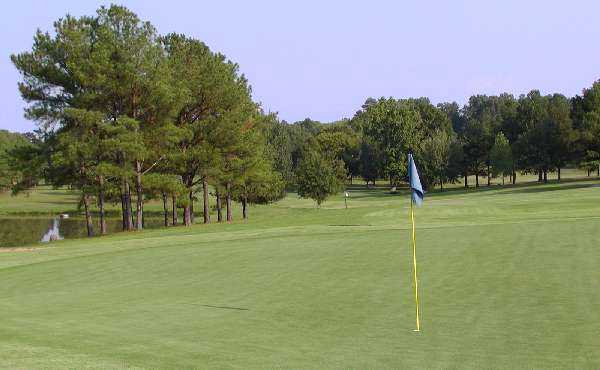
x=523, y=187
x=344, y=225
x=543, y=188
x=373, y=194
x=58, y=192
x=225, y=307
x=61, y=202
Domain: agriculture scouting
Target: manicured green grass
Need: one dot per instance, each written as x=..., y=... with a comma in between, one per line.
x=509, y=278
x=45, y=201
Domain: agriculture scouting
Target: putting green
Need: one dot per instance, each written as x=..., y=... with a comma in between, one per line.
x=509, y=278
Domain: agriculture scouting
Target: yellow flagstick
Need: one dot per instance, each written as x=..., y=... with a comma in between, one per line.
x=412, y=217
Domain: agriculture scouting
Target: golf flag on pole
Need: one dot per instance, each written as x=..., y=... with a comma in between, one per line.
x=417, y=196
x=415, y=182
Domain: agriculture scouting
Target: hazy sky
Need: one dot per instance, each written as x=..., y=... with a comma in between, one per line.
x=322, y=59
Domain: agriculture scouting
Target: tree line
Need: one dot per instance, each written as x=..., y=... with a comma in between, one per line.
x=126, y=115
x=490, y=136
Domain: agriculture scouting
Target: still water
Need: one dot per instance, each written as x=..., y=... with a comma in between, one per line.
x=15, y=232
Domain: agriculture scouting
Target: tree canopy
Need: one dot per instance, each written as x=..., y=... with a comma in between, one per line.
x=126, y=114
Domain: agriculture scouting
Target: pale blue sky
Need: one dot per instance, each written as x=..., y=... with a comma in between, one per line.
x=322, y=59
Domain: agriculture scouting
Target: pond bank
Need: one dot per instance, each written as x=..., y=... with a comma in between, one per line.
x=23, y=231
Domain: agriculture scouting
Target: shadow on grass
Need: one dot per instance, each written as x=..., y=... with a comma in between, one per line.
x=343, y=225
x=362, y=192
x=225, y=307
x=67, y=202
x=548, y=187
x=58, y=192
x=523, y=187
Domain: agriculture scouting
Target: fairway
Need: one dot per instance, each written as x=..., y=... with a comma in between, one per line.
x=509, y=278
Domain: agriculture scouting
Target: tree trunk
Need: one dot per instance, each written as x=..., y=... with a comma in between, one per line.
x=130, y=200
x=140, y=196
x=165, y=208
x=219, y=208
x=441, y=185
x=514, y=177
x=545, y=176
x=540, y=176
x=186, y=215
x=503, y=179
x=101, y=205
x=589, y=173
x=244, y=206
x=123, y=208
x=466, y=181
x=174, y=211
x=489, y=176
x=88, y=215
x=598, y=171
x=558, y=172
x=205, y=200
x=228, y=201
x=128, y=213
x=191, y=206
x=512, y=173
x=476, y=179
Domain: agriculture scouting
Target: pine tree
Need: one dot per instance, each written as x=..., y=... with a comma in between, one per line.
x=501, y=157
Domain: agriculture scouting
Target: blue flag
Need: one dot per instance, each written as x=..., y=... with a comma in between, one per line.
x=415, y=183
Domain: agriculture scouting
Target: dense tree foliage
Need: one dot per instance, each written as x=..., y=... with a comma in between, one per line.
x=126, y=115
x=320, y=176
x=501, y=157
x=10, y=145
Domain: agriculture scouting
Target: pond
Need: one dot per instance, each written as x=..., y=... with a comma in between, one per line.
x=15, y=232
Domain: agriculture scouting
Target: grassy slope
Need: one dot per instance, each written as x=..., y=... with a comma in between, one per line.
x=48, y=202
x=509, y=279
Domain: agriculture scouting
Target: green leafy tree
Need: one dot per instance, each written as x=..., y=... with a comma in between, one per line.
x=110, y=63
x=532, y=148
x=371, y=161
x=255, y=180
x=453, y=113
x=561, y=136
x=279, y=146
x=475, y=148
x=591, y=162
x=483, y=120
x=29, y=163
x=11, y=175
x=319, y=177
x=213, y=104
x=75, y=157
x=501, y=157
x=340, y=141
x=458, y=163
x=233, y=138
x=434, y=154
x=301, y=133
x=258, y=183
x=456, y=160
x=510, y=127
x=433, y=119
x=164, y=186
x=397, y=128
x=134, y=86
x=586, y=120
x=546, y=143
